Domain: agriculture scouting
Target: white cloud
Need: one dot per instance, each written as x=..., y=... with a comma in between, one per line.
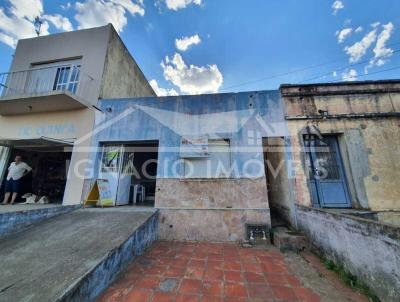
x=343, y=34
x=376, y=24
x=93, y=13
x=336, y=6
x=359, y=49
x=66, y=6
x=184, y=43
x=179, y=4
x=17, y=22
x=8, y=40
x=28, y=9
x=359, y=29
x=381, y=51
x=192, y=79
x=349, y=75
x=162, y=91
x=334, y=74
x=132, y=7
x=59, y=22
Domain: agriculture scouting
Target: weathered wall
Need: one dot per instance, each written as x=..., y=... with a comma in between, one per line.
x=202, y=209
x=366, y=119
x=214, y=210
x=63, y=125
x=14, y=221
x=369, y=250
x=122, y=76
x=277, y=176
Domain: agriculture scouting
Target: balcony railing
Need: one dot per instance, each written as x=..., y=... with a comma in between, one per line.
x=43, y=81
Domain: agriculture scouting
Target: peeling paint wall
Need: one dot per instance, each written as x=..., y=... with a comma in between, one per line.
x=368, y=249
x=366, y=119
x=202, y=209
x=277, y=176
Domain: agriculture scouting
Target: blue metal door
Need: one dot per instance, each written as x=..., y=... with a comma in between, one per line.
x=327, y=178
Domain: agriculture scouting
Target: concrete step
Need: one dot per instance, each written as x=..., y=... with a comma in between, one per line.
x=19, y=216
x=75, y=256
x=288, y=240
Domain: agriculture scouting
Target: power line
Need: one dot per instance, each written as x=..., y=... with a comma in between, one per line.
x=307, y=68
x=281, y=74
x=375, y=72
x=344, y=68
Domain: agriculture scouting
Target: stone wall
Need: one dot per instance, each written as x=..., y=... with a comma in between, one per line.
x=216, y=210
x=368, y=249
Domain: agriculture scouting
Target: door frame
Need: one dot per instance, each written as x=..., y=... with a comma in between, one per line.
x=315, y=182
x=7, y=160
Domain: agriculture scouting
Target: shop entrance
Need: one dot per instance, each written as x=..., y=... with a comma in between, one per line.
x=131, y=169
x=49, y=161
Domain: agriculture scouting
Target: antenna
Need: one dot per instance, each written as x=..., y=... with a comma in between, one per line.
x=38, y=24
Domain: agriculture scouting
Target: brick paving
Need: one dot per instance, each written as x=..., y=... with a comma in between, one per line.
x=182, y=271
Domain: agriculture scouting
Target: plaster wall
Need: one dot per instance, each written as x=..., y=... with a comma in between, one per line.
x=277, y=176
x=122, y=76
x=201, y=209
x=115, y=74
x=368, y=249
x=64, y=125
x=89, y=45
x=367, y=124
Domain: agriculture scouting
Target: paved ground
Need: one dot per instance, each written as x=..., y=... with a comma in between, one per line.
x=175, y=271
x=42, y=261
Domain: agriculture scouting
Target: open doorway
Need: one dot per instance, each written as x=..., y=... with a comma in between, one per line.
x=49, y=162
x=131, y=169
x=277, y=180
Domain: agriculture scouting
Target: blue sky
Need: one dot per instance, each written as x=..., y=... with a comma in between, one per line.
x=231, y=45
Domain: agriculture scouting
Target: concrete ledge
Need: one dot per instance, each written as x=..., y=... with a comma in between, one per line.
x=16, y=217
x=73, y=257
x=368, y=249
x=101, y=276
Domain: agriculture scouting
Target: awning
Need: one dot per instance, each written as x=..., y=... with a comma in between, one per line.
x=33, y=143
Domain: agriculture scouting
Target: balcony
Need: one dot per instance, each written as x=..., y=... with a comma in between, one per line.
x=46, y=89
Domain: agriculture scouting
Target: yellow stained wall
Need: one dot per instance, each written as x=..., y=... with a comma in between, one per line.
x=382, y=185
x=63, y=125
x=374, y=183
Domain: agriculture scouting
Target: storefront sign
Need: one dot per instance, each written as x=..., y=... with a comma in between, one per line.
x=100, y=194
x=194, y=146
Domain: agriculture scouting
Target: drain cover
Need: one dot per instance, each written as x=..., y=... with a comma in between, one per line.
x=167, y=285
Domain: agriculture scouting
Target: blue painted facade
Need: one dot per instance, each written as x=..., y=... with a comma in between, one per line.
x=243, y=118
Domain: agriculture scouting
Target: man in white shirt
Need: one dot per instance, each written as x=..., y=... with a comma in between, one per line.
x=16, y=171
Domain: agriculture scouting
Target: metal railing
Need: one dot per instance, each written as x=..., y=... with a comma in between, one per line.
x=38, y=81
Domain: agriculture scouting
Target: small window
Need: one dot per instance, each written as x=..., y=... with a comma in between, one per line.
x=67, y=78
x=216, y=165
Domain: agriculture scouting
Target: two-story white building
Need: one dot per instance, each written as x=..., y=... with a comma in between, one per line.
x=48, y=101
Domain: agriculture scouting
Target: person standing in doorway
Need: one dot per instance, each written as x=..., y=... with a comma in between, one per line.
x=16, y=171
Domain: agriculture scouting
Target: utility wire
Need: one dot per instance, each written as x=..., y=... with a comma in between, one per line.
x=344, y=68
x=281, y=74
x=375, y=72
x=307, y=68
